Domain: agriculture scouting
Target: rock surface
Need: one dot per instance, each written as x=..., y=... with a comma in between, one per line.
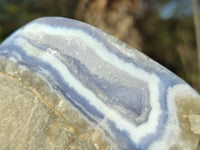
x=67, y=85
x=30, y=122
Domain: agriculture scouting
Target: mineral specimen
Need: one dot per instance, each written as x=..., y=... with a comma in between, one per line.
x=67, y=85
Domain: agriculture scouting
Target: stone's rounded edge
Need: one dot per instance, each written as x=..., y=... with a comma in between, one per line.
x=95, y=32
x=115, y=45
x=98, y=35
x=61, y=22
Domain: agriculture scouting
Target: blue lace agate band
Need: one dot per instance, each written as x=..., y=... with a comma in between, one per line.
x=136, y=103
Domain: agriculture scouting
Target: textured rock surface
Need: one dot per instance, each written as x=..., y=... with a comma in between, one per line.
x=67, y=85
x=29, y=122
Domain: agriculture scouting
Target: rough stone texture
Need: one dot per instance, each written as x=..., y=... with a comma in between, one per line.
x=29, y=122
x=109, y=95
x=17, y=81
x=189, y=120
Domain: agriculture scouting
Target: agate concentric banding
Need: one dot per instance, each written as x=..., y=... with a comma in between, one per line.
x=129, y=98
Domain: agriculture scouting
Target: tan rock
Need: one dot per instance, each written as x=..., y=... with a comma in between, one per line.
x=29, y=122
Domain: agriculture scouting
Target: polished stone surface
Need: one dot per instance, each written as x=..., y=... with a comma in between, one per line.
x=68, y=85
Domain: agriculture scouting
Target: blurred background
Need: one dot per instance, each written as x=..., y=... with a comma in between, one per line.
x=162, y=29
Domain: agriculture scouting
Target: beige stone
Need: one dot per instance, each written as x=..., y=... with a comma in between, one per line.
x=29, y=122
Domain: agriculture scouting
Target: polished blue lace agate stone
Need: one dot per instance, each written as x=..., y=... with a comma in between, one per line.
x=136, y=103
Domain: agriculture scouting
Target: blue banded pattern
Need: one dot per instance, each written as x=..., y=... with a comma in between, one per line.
x=114, y=86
